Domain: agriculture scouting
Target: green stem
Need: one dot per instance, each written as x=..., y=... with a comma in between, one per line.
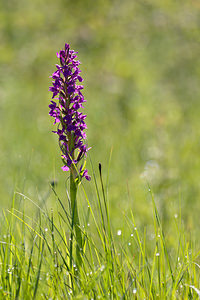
x=75, y=221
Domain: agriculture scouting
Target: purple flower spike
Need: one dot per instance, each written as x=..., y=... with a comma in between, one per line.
x=64, y=109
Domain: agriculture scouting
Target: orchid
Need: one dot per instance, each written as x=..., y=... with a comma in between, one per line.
x=64, y=108
x=66, y=101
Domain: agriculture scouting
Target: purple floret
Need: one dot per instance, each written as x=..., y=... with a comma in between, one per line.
x=64, y=110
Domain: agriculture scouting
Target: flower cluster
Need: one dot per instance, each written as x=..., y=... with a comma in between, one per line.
x=71, y=122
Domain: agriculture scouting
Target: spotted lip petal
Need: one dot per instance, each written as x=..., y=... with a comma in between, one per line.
x=70, y=121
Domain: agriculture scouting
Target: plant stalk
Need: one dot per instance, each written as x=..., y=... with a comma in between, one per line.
x=75, y=226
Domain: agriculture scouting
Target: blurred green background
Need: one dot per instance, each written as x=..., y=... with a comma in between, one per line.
x=141, y=67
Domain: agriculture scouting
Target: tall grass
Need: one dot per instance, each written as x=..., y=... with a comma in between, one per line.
x=127, y=263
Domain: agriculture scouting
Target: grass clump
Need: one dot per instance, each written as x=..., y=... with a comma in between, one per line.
x=128, y=263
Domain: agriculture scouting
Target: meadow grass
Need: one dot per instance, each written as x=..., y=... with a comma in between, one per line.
x=128, y=263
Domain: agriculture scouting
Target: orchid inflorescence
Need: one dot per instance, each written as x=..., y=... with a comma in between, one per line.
x=71, y=122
